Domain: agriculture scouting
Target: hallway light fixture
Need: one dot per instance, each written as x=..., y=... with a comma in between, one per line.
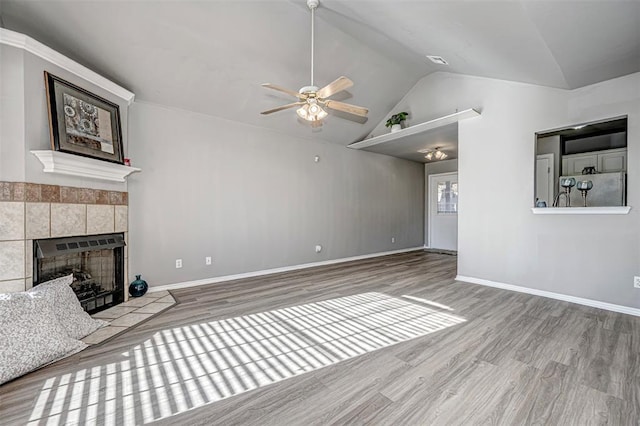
x=437, y=154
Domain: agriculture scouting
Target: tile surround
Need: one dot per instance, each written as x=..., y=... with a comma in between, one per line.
x=69, y=194
x=11, y=220
x=38, y=220
x=100, y=219
x=12, y=260
x=28, y=283
x=36, y=192
x=32, y=192
x=68, y=219
x=50, y=193
x=28, y=260
x=11, y=286
x=121, y=218
x=31, y=211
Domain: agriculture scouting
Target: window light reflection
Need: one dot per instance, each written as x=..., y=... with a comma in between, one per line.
x=186, y=367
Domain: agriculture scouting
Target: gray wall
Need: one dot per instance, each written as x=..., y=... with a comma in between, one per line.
x=24, y=119
x=446, y=166
x=254, y=199
x=500, y=239
x=12, y=124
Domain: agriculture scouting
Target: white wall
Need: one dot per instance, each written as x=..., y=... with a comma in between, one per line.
x=593, y=257
x=254, y=199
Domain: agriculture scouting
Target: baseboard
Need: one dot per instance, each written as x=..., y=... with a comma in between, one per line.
x=252, y=274
x=564, y=297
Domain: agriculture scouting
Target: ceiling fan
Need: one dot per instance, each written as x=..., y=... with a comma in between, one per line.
x=312, y=100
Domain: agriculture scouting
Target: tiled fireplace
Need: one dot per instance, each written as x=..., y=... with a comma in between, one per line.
x=30, y=211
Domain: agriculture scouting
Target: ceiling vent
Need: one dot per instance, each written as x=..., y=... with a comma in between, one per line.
x=437, y=60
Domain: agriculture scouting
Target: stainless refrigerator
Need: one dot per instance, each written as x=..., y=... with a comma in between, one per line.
x=609, y=189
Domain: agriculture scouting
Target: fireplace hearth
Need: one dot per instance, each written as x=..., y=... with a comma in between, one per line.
x=96, y=262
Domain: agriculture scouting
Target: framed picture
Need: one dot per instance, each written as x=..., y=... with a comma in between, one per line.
x=83, y=123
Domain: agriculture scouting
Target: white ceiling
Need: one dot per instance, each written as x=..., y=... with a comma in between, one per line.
x=211, y=56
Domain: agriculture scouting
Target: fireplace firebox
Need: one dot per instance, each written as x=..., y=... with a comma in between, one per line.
x=96, y=262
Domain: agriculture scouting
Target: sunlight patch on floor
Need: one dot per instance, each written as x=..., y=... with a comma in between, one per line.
x=183, y=368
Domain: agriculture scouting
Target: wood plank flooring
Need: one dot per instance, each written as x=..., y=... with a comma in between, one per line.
x=511, y=359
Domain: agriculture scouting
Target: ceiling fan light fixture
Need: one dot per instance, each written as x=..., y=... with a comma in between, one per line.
x=311, y=111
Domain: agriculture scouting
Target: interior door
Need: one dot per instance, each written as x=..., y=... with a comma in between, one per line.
x=443, y=211
x=545, y=178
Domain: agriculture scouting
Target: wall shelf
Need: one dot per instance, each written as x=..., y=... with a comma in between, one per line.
x=416, y=129
x=582, y=210
x=75, y=165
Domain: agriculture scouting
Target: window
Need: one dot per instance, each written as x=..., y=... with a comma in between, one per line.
x=447, y=197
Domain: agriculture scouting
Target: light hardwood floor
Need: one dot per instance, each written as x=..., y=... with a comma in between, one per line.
x=436, y=352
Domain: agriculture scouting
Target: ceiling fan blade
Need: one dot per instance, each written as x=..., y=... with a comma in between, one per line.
x=280, y=108
x=338, y=85
x=284, y=90
x=351, y=109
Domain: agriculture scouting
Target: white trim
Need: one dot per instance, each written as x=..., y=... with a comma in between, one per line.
x=224, y=278
x=24, y=42
x=581, y=210
x=557, y=296
x=416, y=129
x=75, y=165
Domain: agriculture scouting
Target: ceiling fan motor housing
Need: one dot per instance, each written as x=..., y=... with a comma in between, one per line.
x=309, y=89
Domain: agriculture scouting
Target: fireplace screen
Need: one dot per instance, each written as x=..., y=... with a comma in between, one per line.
x=96, y=262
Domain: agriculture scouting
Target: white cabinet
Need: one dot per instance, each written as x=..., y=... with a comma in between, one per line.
x=610, y=160
x=575, y=163
x=614, y=160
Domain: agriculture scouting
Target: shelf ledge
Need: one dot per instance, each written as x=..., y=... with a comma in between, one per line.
x=582, y=210
x=75, y=165
x=416, y=129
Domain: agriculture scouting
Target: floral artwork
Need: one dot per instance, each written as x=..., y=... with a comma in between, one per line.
x=87, y=124
x=83, y=123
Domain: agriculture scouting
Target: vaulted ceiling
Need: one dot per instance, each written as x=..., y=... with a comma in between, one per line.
x=210, y=57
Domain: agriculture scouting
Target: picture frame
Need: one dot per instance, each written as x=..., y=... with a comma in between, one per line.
x=83, y=123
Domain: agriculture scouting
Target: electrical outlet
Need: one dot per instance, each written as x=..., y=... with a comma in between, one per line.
x=318, y=249
x=207, y=260
x=178, y=263
x=636, y=282
x=393, y=239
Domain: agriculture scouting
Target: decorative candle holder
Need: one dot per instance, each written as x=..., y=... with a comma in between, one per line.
x=584, y=186
x=567, y=184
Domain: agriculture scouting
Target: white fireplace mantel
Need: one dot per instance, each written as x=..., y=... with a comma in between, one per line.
x=75, y=165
